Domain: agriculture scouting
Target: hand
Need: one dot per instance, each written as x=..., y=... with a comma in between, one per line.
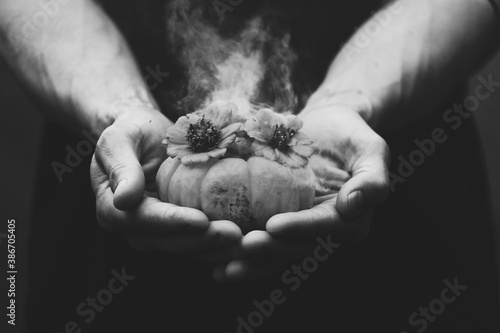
x=352, y=179
x=123, y=170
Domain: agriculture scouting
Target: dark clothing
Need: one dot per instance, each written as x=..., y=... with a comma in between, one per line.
x=434, y=227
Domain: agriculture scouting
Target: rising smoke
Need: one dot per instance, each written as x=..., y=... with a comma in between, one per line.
x=250, y=68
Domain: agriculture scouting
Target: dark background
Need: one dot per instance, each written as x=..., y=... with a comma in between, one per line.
x=22, y=127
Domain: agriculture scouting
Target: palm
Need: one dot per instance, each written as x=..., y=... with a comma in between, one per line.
x=351, y=179
x=123, y=172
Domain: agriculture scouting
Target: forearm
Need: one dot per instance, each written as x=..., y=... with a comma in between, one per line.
x=77, y=61
x=414, y=59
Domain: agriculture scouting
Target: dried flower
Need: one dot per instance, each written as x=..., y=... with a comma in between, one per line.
x=277, y=138
x=196, y=138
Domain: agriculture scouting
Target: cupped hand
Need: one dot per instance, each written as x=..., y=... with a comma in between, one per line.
x=352, y=179
x=123, y=170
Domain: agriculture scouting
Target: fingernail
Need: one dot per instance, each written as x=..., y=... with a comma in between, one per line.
x=198, y=225
x=275, y=226
x=354, y=200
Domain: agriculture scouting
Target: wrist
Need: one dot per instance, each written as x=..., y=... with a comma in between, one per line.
x=354, y=100
x=103, y=113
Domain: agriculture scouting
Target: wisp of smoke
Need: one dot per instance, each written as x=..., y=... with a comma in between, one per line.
x=250, y=69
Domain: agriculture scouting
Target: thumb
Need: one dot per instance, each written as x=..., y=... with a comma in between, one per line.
x=117, y=153
x=369, y=185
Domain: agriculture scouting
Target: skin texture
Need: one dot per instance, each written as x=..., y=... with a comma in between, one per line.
x=81, y=68
x=385, y=85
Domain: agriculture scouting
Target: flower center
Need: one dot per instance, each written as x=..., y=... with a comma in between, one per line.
x=203, y=136
x=281, y=137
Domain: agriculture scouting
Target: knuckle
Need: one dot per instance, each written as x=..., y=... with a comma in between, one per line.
x=116, y=133
x=379, y=142
x=174, y=216
x=115, y=173
x=104, y=140
x=168, y=215
x=127, y=129
x=380, y=147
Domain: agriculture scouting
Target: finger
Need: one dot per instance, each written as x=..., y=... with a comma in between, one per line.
x=369, y=185
x=329, y=176
x=319, y=220
x=260, y=243
x=98, y=178
x=241, y=269
x=218, y=235
x=150, y=216
x=117, y=153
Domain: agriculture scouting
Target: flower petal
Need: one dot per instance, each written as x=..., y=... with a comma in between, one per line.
x=252, y=125
x=280, y=156
x=179, y=150
x=183, y=121
x=258, y=136
x=265, y=115
x=217, y=153
x=219, y=115
x=258, y=148
x=294, y=160
x=177, y=133
x=226, y=142
x=270, y=153
x=230, y=129
x=195, y=158
x=294, y=122
x=269, y=129
x=228, y=110
x=301, y=138
x=268, y=120
x=263, y=125
x=303, y=150
x=253, y=128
